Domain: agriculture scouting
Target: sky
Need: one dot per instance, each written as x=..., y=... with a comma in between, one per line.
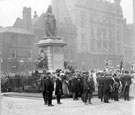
x=11, y=9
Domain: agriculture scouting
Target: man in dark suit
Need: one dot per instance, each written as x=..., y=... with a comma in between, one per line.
x=85, y=88
x=49, y=84
x=100, y=81
x=58, y=90
x=90, y=88
x=74, y=87
x=43, y=88
x=116, y=86
x=126, y=82
x=106, y=88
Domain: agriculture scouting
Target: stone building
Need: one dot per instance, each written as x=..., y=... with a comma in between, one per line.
x=129, y=46
x=16, y=50
x=100, y=30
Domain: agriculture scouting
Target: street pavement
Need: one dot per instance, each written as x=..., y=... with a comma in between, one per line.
x=35, y=106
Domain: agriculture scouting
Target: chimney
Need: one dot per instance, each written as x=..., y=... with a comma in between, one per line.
x=27, y=21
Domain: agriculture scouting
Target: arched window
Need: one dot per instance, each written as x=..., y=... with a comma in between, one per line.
x=13, y=53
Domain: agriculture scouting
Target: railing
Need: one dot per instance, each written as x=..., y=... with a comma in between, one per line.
x=20, y=84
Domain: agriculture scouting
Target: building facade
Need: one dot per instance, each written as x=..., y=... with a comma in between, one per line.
x=129, y=46
x=100, y=30
x=16, y=50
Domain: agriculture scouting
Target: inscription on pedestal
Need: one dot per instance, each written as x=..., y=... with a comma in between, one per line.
x=57, y=58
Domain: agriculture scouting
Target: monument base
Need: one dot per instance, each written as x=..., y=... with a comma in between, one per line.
x=53, y=48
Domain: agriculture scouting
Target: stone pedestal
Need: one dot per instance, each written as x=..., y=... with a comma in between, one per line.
x=54, y=51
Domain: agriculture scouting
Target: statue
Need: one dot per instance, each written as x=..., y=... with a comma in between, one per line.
x=50, y=23
x=42, y=62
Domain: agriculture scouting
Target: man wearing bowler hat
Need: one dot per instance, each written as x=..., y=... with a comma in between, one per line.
x=49, y=88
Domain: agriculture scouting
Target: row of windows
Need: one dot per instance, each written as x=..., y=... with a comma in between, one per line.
x=93, y=18
x=101, y=46
x=103, y=21
x=13, y=53
x=86, y=2
x=14, y=67
x=101, y=33
x=20, y=39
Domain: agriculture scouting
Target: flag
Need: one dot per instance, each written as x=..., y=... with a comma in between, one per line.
x=106, y=63
x=121, y=63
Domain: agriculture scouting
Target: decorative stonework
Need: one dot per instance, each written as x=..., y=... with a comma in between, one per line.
x=54, y=52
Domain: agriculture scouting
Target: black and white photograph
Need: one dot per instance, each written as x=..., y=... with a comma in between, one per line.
x=67, y=57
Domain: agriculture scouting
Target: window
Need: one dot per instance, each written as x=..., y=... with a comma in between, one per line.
x=29, y=54
x=13, y=67
x=111, y=46
x=82, y=19
x=13, y=53
x=92, y=45
x=104, y=33
x=110, y=35
x=99, y=33
x=118, y=36
x=105, y=46
x=99, y=45
x=83, y=44
x=92, y=33
x=118, y=48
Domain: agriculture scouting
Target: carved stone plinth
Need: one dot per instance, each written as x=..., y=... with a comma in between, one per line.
x=54, y=51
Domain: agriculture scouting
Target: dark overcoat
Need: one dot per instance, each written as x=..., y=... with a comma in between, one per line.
x=74, y=85
x=49, y=85
x=58, y=90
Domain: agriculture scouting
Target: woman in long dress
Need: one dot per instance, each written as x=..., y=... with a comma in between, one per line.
x=65, y=88
x=132, y=87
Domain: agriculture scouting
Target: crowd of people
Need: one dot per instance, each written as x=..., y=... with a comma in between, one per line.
x=110, y=84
